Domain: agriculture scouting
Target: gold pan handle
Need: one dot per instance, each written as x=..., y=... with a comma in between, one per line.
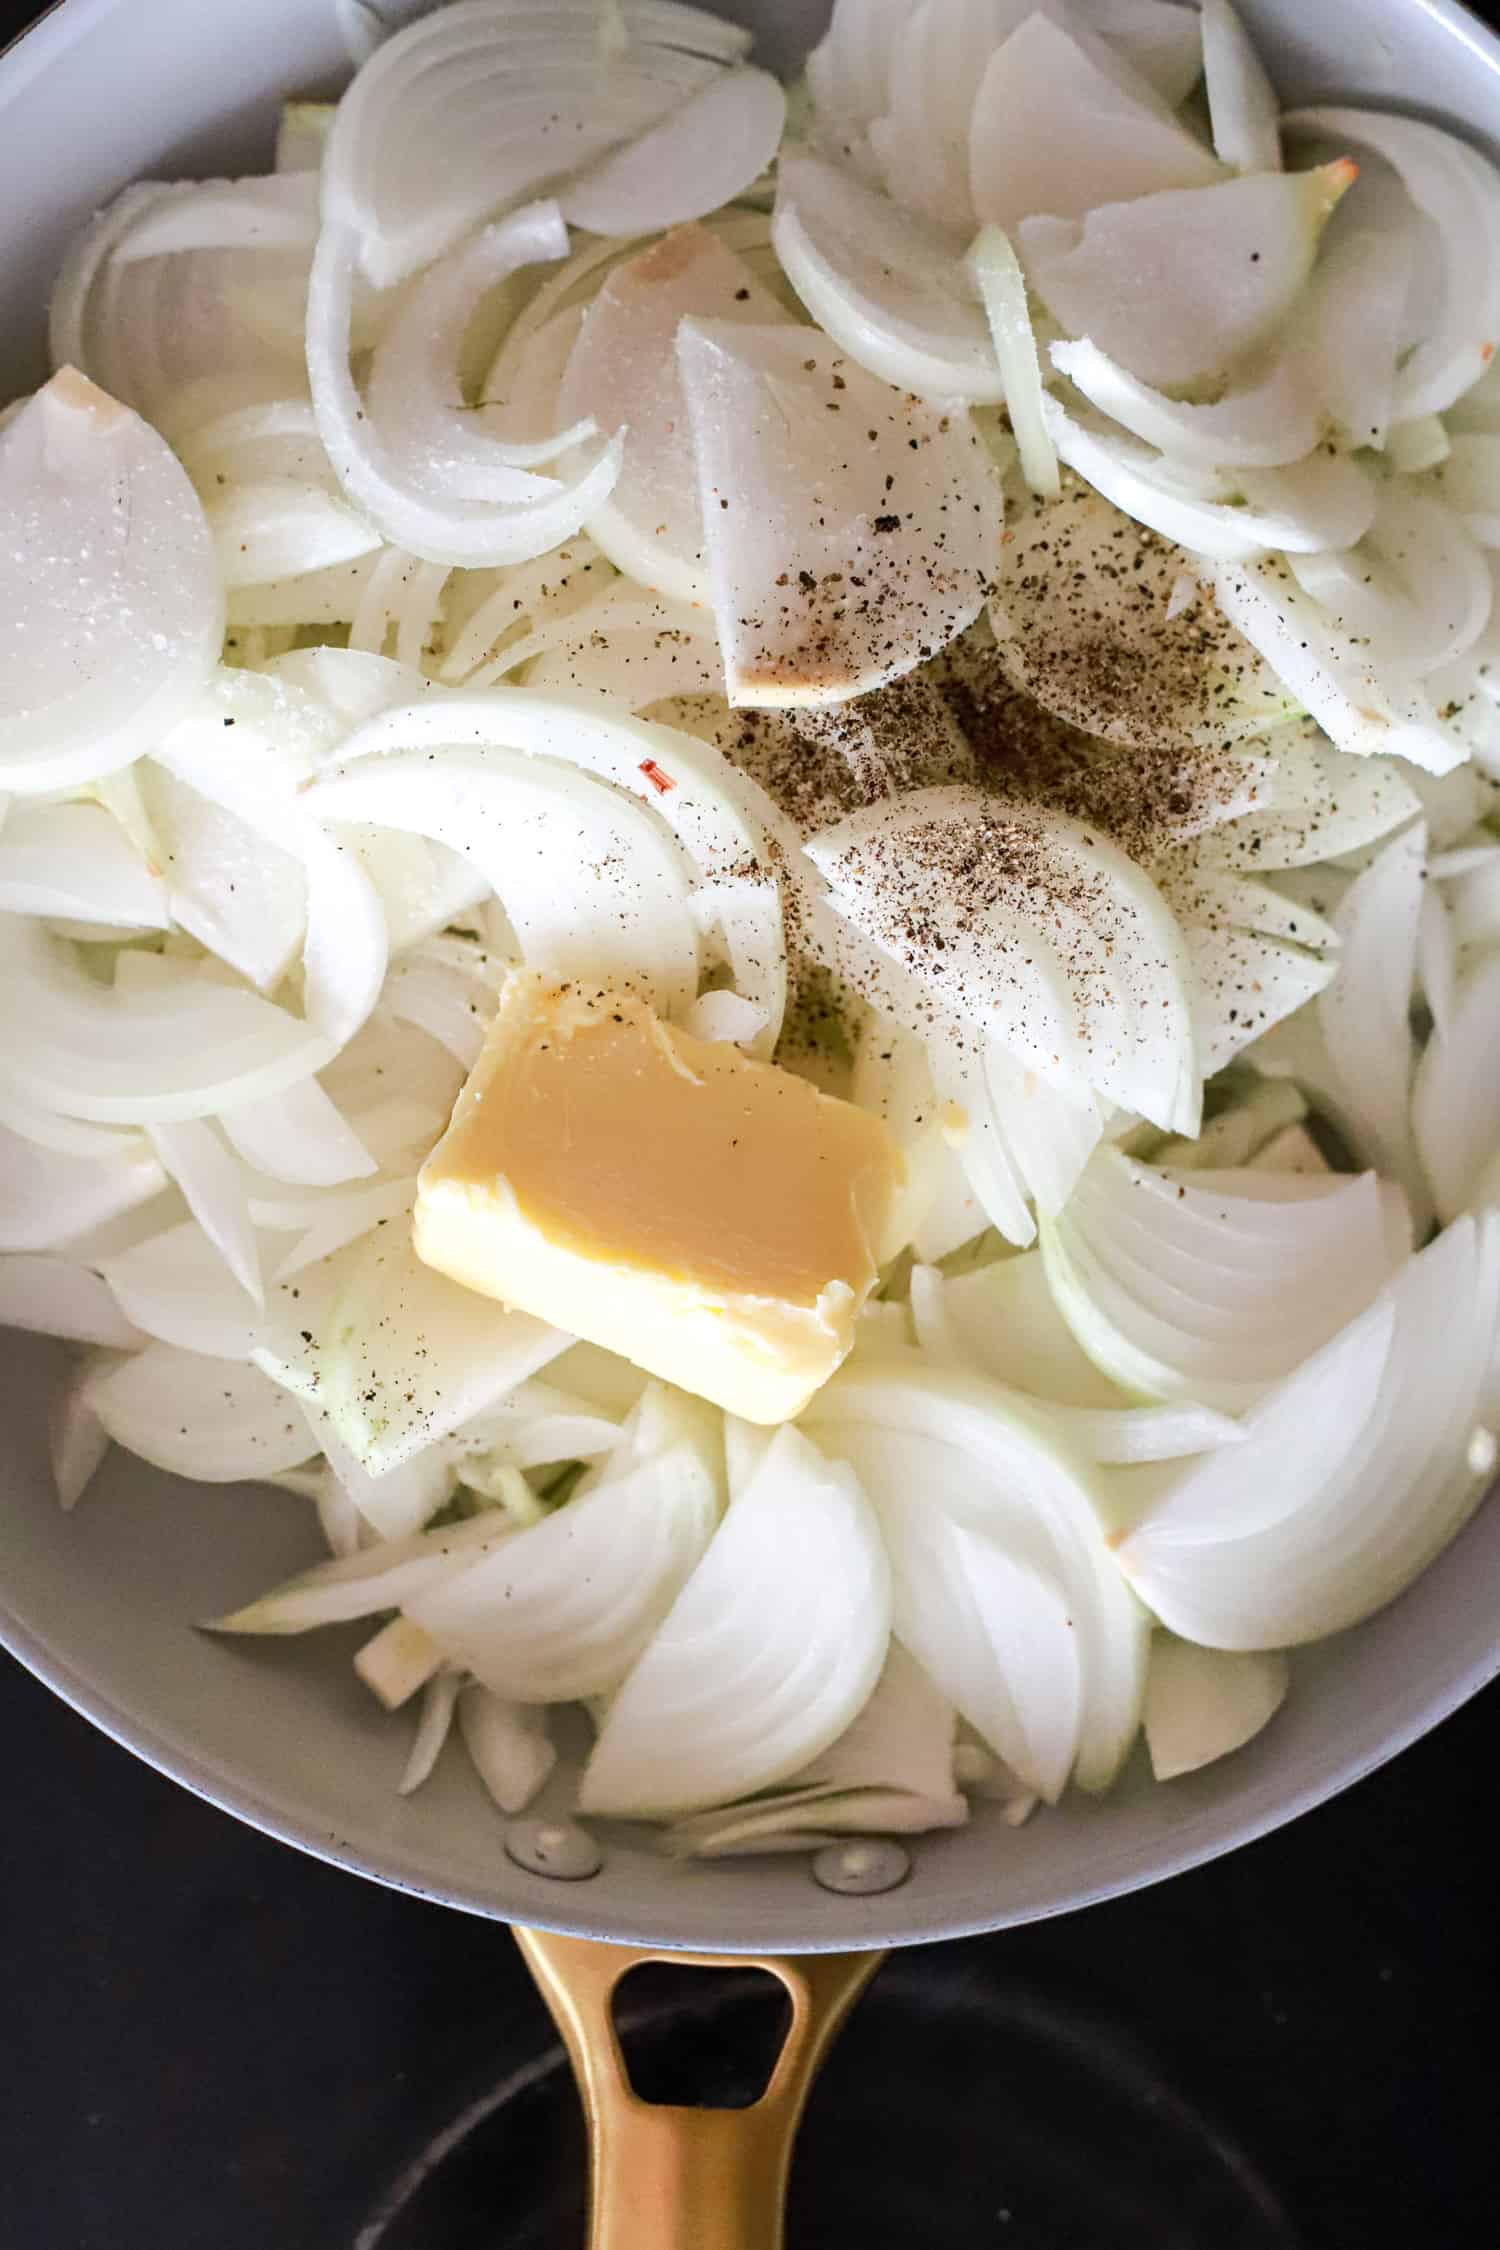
x=688, y=2179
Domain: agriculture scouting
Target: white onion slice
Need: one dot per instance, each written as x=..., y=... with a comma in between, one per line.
x=1416, y=588
x=1364, y=1014
x=213, y=1187
x=1355, y=1472
x=1458, y=191
x=434, y=1724
x=1003, y=1321
x=109, y=597
x=1203, y=1703
x=948, y=856
x=1351, y=334
x=1323, y=803
x=622, y=376
x=896, y=566
x=1002, y=286
x=702, y=155
x=1242, y=104
x=1456, y=1094
x=208, y=1419
x=565, y=1609
x=1179, y=286
x=1264, y=425
x=1122, y=141
x=75, y=860
x=1323, y=502
x=509, y=1746
x=77, y=1439
x=940, y=1444
x=716, y=816
x=405, y=1357
x=185, y=1048
x=51, y=1196
x=57, y=1297
x=767, y=1654
x=461, y=115
x=368, y=1581
x=591, y=884
x=1181, y=1289
x=300, y=1136
x=887, y=286
x=177, y=1287
x=441, y=525
x=1361, y=704
x=276, y=528
x=276, y=212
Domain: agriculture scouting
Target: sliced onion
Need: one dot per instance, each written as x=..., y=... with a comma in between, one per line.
x=1125, y=142
x=457, y=516
x=771, y=1648
x=1355, y=1472
x=565, y=1609
x=1203, y=1703
x=460, y=116
x=703, y=155
x=111, y=605
x=622, y=376
x=1179, y=286
x=57, y=1297
x=1092, y=926
x=197, y=1417
x=434, y=1724
x=1089, y=620
x=51, y=1196
x=792, y=629
x=1002, y=285
x=942, y=1449
x=1003, y=1321
x=887, y=286
x=1417, y=587
x=299, y=1135
x=1364, y=1014
x=1454, y=186
x=75, y=861
x=1456, y=1094
x=406, y=1357
x=1264, y=425
x=1242, y=104
x=716, y=816
x=1181, y=1289
x=1326, y=501
x=177, y=1287
x=1352, y=332
x=77, y=1439
x=275, y=529
x=182, y=1049
x=590, y=882
x=213, y=1186
x=373, y=1579
x=276, y=212
x=1361, y=704
x=509, y=1746
x=1322, y=803
x=332, y=1222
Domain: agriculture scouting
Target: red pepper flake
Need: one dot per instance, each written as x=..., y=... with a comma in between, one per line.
x=659, y=781
x=1486, y=353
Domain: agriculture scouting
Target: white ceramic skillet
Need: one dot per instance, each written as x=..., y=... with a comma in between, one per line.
x=100, y=1603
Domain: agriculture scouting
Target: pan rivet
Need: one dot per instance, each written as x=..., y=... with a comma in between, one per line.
x=559, y=1848
x=859, y=1869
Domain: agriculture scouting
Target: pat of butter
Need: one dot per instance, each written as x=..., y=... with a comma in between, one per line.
x=715, y=1220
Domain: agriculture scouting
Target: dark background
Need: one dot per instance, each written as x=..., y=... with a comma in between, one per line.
x=206, y=2039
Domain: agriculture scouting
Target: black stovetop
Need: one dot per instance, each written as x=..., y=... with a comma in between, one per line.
x=212, y=2041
